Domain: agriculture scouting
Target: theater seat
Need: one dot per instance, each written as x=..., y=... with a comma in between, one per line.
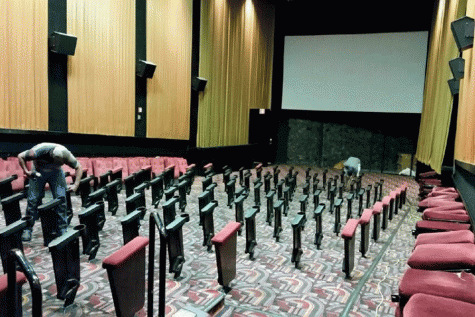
x=423, y=226
x=446, y=216
x=423, y=305
x=447, y=204
x=445, y=284
x=348, y=234
x=460, y=236
x=458, y=256
x=126, y=272
x=20, y=280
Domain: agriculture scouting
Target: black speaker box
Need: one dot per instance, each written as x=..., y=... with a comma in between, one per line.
x=454, y=85
x=62, y=43
x=462, y=30
x=198, y=84
x=145, y=69
x=457, y=66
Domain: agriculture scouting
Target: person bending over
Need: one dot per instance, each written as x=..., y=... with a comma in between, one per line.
x=352, y=166
x=47, y=161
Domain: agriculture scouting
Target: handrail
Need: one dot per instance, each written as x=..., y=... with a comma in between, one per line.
x=155, y=222
x=17, y=256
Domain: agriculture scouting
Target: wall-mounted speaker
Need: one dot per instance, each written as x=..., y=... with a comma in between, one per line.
x=198, y=84
x=457, y=66
x=145, y=69
x=462, y=30
x=454, y=85
x=62, y=43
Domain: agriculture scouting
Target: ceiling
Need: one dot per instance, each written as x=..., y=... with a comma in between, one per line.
x=307, y=17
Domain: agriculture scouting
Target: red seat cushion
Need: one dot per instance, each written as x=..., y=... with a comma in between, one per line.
x=441, y=225
x=226, y=233
x=387, y=200
x=158, y=165
x=349, y=229
x=121, y=162
x=116, y=259
x=377, y=208
x=443, y=209
x=443, y=256
x=434, y=201
x=445, y=216
x=460, y=236
x=448, y=204
x=366, y=216
x=423, y=305
x=439, y=283
x=443, y=194
x=20, y=279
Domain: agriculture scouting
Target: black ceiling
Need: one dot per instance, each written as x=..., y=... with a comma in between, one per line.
x=306, y=17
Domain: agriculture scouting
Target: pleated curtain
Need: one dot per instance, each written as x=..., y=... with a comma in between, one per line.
x=169, y=32
x=236, y=53
x=24, y=64
x=101, y=74
x=437, y=104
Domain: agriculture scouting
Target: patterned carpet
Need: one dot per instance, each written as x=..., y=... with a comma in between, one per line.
x=269, y=285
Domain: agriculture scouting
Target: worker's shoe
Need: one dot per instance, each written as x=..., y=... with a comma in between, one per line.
x=26, y=235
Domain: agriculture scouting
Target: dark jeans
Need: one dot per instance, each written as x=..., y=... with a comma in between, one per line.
x=36, y=192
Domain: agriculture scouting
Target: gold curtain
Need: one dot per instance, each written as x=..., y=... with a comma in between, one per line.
x=169, y=32
x=24, y=64
x=236, y=53
x=437, y=104
x=465, y=137
x=101, y=74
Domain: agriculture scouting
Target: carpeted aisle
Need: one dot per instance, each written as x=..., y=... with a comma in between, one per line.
x=270, y=285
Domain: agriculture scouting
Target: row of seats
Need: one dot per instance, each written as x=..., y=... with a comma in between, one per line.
x=439, y=280
x=97, y=166
x=389, y=206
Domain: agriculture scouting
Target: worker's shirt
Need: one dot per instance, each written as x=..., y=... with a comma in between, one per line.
x=42, y=155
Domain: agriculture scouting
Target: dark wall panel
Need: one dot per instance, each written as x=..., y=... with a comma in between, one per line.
x=57, y=71
x=326, y=138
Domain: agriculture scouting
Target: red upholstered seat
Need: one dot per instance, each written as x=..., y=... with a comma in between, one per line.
x=121, y=162
x=428, y=174
x=441, y=225
x=133, y=164
x=20, y=280
x=423, y=305
x=443, y=256
x=430, y=181
x=444, y=189
x=11, y=167
x=101, y=165
x=158, y=165
x=226, y=233
x=387, y=200
x=443, y=209
x=448, y=204
x=434, y=194
x=128, y=251
x=439, y=283
x=377, y=208
x=366, y=217
x=434, y=201
x=86, y=163
x=445, y=216
x=460, y=236
x=126, y=273
x=349, y=229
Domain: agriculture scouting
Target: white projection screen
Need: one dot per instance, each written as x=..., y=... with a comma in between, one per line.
x=380, y=72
